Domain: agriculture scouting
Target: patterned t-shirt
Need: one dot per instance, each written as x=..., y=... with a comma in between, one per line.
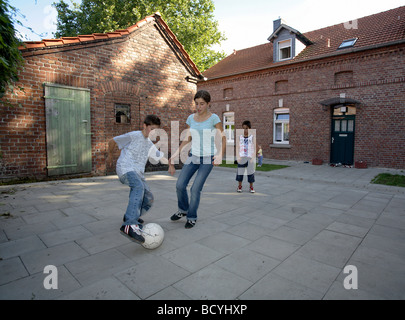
x=135, y=152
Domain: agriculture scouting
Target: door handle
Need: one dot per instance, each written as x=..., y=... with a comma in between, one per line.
x=333, y=139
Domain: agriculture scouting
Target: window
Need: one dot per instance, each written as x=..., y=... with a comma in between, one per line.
x=229, y=126
x=284, y=48
x=347, y=43
x=122, y=114
x=281, y=133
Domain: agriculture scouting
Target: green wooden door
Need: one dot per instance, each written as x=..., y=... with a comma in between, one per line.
x=67, y=130
x=342, y=149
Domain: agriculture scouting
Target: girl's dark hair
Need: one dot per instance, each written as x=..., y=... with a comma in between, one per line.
x=247, y=123
x=152, y=119
x=204, y=95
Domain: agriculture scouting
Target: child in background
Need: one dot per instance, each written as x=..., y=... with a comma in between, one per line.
x=260, y=156
x=245, y=153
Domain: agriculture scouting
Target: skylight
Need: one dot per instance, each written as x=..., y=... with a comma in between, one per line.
x=347, y=43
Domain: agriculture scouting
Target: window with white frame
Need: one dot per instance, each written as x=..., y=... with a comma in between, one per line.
x=229, y=126
x=284, y=50
x=281, y=134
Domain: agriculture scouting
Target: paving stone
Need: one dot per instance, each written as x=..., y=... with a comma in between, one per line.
x=148, y=278
x=274, y=287
x=213, y=283
x=193, y=257
x=65, y=235
x=273, y=247
x=309, y=273
x=11, y=269
x=32, y=287
x=15, y=248
x=248, y=264
x=106, y=289
x=102, y=265
x=35, y=261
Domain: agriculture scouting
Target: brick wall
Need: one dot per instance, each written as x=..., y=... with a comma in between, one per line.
x=372, y=77
x=140, y=69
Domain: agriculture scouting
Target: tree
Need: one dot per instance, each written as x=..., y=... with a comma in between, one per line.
x=10, y=56
x=192, y=21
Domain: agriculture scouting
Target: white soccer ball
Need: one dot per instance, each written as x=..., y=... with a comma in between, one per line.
x=153, y=234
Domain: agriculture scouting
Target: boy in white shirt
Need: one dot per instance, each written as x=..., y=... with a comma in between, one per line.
x=136, y=148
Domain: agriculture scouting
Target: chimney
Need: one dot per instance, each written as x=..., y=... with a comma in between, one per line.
x=277, y=23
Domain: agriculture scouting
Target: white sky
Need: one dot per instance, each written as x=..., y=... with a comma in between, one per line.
x=246, y=23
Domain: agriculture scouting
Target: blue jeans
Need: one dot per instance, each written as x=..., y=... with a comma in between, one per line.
x=242, y=166
x=203, y=167
x=140, y=197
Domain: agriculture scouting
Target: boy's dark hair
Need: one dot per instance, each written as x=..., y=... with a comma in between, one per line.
x=247, y=123
x=152, y=119
x=204, y=95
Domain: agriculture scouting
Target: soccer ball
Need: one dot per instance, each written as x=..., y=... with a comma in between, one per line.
x=153, y=234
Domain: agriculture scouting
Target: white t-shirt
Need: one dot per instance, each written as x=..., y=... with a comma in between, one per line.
x=135, y=152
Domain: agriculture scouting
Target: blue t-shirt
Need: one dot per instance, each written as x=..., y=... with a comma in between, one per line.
x=203, y=135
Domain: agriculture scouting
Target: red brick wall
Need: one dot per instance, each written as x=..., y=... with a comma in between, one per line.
x=139, y=69
x=375, y=78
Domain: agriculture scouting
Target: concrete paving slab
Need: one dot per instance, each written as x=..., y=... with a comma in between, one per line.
x=35, y=261
x=290, y=240
x=105, y=289
x=275, y=287
x=213, y=283
x=308, y=272
x=148, y=278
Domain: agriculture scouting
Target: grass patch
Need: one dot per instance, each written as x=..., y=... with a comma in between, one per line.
x=264, y=167
x=388, y=179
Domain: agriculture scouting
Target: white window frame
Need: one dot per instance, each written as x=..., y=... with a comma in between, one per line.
x=282, y=45
x=281, y=122
x=229, y=131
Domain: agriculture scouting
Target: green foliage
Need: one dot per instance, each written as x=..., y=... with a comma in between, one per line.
x=10, y=57
x=192, y=21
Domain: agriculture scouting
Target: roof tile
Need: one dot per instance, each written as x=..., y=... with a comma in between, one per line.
x=376, y=29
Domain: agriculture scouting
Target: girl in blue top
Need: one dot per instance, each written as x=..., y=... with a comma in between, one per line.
x=204, y=132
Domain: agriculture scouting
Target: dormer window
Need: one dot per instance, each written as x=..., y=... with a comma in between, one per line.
x=285, y=49
x=287, y=42
x=347, y=43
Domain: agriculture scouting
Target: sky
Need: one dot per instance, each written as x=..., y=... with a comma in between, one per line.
x=246, y=23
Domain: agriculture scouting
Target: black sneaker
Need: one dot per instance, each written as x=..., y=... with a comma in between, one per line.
x=190, y=224
x=177, y=216
x=133, y=233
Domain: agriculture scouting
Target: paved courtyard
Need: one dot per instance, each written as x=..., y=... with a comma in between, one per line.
x=292, y=239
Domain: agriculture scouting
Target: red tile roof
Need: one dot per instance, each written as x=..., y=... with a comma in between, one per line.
x=382, y=28
x=49, y=43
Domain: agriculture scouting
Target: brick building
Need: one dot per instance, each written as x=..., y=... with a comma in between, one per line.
x=79, y=92
x=335, y=94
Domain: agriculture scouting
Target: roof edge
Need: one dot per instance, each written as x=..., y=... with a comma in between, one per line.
x=300, y=36
x=94, y=37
